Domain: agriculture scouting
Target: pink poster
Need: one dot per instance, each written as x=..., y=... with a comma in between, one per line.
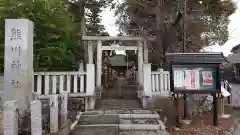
x=193, y=79
x=207, y=77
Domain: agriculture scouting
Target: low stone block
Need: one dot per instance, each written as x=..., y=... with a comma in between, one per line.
x=36, y=117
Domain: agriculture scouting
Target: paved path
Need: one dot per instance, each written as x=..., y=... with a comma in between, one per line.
x=237, y=130
x=120, y=90
x=236, y=95
x=236, y=103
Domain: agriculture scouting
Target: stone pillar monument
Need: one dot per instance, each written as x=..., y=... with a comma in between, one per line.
x=18, y=62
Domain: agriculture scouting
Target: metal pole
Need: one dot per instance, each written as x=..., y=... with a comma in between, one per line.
x=184, y=50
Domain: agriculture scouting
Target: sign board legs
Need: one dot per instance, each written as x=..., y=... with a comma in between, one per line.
x=176, y=102
x=215, y=110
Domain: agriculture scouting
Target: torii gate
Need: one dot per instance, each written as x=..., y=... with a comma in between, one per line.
x=141, y=47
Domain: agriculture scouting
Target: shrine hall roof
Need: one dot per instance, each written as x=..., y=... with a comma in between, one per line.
x=208, y=58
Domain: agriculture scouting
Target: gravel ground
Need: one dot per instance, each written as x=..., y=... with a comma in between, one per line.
x=143, y=133
x=203, y=125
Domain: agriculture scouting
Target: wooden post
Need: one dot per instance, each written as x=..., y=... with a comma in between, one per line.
x=176, y=103
x=215, y=110
x=10, y=120
x=99, y=64
x=36, y=117
x=53, y=113
x=140, y=63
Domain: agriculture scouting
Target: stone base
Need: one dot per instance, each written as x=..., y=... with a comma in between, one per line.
x=147, y=103
x=225, y=116
x=185, y=122
x=90, y=103
x=118, y=122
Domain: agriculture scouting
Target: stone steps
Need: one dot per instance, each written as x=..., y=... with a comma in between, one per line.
x=95, y=130
x=119, y=122
x=119, y=104
x=119, y=113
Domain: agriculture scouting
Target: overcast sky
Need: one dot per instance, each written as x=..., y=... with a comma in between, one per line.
x=108, y=20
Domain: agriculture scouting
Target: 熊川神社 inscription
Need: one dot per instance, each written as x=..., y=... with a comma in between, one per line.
x=18, y=61
x=15, y=43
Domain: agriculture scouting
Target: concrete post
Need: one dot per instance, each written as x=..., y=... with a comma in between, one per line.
x=64, y=104
x=81, y=67
x=99, y=64
x=18, y=64
x=90, y=52
x=36, y=117
x=90, y=88
x=147, y=85
x=53, y=113
x=119, y=86
x=145, y=51
x=140, y=63
x=10, y=119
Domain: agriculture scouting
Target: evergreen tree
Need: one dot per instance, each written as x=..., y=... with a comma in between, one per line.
x=54, y=32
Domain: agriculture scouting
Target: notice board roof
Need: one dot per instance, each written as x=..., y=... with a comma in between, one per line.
x=205, y=58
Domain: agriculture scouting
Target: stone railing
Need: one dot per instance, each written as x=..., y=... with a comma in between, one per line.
x=155, y=82
x=55, y=88
x=160, y=81
x=75, y=83
x=56, y=114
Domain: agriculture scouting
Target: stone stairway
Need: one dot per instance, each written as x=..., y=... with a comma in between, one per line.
x=121, y=115
x=119, y=122
x=119, y=104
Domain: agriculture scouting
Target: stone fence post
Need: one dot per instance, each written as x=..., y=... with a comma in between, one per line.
x=64, y=104
x=147, y=85
x=90, y=87
x=36, y=117
x=53, y=113
x=10, y=118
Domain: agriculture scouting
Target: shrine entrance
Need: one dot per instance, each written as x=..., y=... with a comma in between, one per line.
x=116, y=66
x=140, y=46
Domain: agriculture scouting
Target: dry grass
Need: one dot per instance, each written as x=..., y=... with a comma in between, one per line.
x=168, y=109
x=201, y=125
